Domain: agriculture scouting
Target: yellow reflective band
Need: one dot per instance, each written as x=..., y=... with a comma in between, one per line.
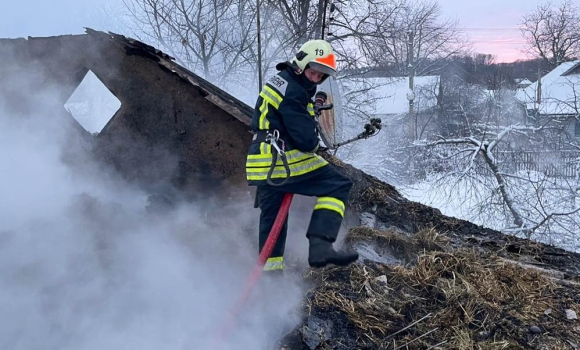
x=258, y=165
x=297, y=161
x=276, y=263
x=293, y=156
x=310, y=109
x=330, y=203
x=280, y=172
x=264, y=122
x=265, y=149
x=271, y=96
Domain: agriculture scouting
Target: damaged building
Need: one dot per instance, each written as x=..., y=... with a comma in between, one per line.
x=168, y=117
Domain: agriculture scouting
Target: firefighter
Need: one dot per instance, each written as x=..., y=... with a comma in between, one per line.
x=284, y=120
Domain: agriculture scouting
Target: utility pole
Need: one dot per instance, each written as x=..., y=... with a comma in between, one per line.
x=325, y=4
x=411, y=93
x=259, y=46
x=539, y=87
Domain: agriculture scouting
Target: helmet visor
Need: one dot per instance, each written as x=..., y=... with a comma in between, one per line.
x=322, y=68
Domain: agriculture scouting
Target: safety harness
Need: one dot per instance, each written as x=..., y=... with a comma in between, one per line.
x=273, y=138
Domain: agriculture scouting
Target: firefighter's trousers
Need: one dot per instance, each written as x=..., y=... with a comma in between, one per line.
x=332, y=189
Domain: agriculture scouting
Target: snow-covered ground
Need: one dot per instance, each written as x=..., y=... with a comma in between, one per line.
x=461, y=201
x=472, y=198
x=454, y=206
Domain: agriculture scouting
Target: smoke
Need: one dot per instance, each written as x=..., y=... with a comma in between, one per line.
x=85, y=265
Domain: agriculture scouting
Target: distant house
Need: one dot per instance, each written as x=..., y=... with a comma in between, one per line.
x=522, y=83
x=388, y=98
x=556, y=96
x=394, y=92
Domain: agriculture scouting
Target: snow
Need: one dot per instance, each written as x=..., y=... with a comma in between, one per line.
x=388, y=96
x=559, y=93
x=448, y=201
x=394, y=93
x=463, y=200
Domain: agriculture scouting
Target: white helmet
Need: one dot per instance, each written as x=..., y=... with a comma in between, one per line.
x=318, y=55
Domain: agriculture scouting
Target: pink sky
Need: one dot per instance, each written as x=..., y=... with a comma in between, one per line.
x=505, y=44
x=492, y=25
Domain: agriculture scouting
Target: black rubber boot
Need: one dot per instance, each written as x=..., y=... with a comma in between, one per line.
x=321, y=253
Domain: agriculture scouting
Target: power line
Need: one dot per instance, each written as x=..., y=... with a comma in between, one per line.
x=499, y=42
x=496, y=36
x=495, y=29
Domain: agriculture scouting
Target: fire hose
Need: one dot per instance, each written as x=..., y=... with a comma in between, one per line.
x=227, y=325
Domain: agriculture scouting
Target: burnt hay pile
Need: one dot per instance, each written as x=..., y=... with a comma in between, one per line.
x=438, y=298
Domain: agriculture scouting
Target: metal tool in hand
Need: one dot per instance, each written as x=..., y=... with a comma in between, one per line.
x=370, y=129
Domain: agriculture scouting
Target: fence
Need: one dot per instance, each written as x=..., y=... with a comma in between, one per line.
x=561, y=163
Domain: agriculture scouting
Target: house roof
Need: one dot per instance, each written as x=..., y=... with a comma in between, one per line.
x=389, y=94
x=560, y=91
x=173, y=128
x=217, y=96
x=524, y=81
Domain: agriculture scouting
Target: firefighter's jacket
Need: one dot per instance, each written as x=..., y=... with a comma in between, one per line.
x=285, y=104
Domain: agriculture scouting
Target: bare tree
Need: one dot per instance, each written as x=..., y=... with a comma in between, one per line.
x=507, y=172
x=211, y=37
x=303, y=18
x=470, y=148
x=218, y=38
x=553, y=33
x=380, y=38
x=387, y=30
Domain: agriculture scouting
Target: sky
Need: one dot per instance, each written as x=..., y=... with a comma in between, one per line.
x=492, y=24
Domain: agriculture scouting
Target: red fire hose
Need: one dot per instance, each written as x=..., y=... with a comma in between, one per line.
x=229, y=322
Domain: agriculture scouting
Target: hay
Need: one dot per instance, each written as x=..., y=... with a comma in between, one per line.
x=402, y=246
x=459, y=299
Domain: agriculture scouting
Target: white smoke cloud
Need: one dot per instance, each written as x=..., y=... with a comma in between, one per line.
x=84, y=265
